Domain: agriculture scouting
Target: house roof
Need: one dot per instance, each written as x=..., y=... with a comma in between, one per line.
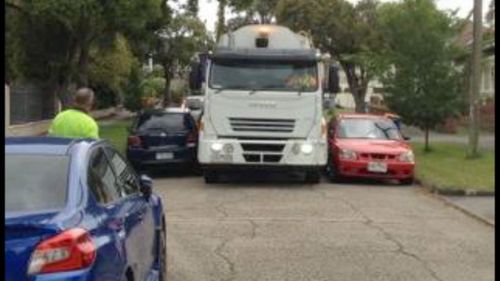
x=466, y=37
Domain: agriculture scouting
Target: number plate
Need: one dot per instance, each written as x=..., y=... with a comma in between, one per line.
x=226, y=158
x=377, y=167
x=164, y=156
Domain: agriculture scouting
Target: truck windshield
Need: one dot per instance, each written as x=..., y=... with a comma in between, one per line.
x=264, y=75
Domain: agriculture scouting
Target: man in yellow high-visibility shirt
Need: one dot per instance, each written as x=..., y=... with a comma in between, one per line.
x=76, y=122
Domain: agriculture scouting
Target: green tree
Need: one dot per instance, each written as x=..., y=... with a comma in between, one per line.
x=221, y=19
x=490, y=15
x=192, y=7
x=110, y=67
x=423, y=85
x=256, y=11
x=350, y=33
x=58, y=35
x=176, y=44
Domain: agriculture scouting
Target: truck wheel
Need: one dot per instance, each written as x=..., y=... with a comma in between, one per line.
x=210, y=177
x=313, y=177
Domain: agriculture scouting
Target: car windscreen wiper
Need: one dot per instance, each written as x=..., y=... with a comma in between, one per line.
x=385, y=130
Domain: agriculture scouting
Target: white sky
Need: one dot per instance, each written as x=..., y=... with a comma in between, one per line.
x=208, y=9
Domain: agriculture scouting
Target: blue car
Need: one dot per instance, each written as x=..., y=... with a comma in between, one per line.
x=163, y=138
x=76, y=210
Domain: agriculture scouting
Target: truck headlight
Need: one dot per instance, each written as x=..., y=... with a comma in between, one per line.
x=407, y=156
x=348, y=154
x=306, y=148
x=217, y=146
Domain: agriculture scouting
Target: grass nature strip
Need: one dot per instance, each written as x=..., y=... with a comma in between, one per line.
x=446, y=168
x=116, y=133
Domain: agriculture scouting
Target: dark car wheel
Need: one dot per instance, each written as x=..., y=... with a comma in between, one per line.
x=162, y=257
x=211, y=176
x=196, y=169
x=313, y=177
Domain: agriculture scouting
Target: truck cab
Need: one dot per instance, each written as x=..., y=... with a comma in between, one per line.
x=263, y=88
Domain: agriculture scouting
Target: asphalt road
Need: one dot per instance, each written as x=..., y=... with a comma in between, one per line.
x=278, y=230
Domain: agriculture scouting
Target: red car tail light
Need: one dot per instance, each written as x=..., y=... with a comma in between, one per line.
x=134, y=141
x=71, y=250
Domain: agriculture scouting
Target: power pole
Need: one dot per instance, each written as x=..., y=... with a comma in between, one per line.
x=475, y=86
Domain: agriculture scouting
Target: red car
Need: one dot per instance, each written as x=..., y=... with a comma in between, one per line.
x=368, y=146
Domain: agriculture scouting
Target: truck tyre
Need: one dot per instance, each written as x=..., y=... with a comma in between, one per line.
x=210, y=176
x=313, y=177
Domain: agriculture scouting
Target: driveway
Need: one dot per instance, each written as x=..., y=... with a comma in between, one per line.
x=283, y=230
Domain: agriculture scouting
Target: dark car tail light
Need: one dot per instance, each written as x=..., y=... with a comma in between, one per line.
x=192, y=138
x=71, y=250
x=134, y=141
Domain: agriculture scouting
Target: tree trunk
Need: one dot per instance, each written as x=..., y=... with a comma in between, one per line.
x=476, y=80
x=357, y=85
x=427, y=148
x=83, y=66
x=221, y=13
x=167, y=97
x=359, y=100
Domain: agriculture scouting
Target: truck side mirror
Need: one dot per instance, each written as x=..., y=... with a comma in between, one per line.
x=195, y=76
x=333, y=79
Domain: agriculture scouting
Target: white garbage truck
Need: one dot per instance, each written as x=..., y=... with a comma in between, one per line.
x=263, y=87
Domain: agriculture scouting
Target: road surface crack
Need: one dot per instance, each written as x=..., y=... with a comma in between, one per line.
x=221, y=210
x=369, y=222
x=401, y=250
x=230, y=264
x=253, y=232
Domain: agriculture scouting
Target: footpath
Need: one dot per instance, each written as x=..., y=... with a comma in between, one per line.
x=480, y=206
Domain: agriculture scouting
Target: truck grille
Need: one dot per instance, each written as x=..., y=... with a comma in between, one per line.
x=262, y=125
x=262, y=147
x=262, y=158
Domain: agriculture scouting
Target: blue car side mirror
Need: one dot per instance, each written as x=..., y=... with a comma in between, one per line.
x=146, y=185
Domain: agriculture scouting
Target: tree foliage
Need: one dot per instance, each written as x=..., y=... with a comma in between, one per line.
x=110, y=67
x=423, y=86
x=490, y=15
x=350, y=33
x=175, y=45
x=56, y=36
x=192, y=7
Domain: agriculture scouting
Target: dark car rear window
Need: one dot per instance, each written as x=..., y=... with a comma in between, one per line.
x=170, y=122
x=35, y=182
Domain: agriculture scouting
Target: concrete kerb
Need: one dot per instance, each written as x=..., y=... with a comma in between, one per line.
x=436, y=193
x=452, y=191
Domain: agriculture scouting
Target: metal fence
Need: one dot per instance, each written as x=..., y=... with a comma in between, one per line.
x=30, y=103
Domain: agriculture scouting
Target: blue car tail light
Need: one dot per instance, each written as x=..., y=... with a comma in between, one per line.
x=72, y=249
